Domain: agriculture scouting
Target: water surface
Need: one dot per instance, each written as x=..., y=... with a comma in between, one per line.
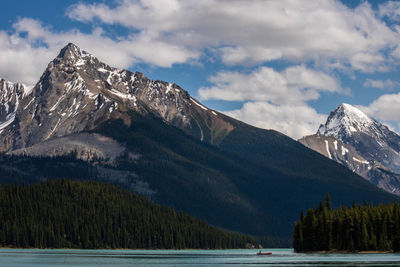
x=280, y=257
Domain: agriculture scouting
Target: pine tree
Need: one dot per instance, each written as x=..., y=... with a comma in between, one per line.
x=354, y=229
x=75, y=214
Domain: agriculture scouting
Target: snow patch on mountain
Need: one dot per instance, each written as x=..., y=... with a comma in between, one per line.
x=360, y=161
x=10, y=96
x=327, y=149
x=198, y=104
x=9, y=119
x=369, y=147
x=345, y=121
x=344, y=151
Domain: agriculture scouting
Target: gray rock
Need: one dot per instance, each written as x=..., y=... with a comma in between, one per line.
x=77, y=93
x=87, y=146
x=348, y=156
x=371, y=148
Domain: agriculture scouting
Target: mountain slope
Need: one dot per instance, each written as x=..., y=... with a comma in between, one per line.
x=347, y=155
x=225, y=189
x=360, y=143
x=153, y=138
x=373, y=140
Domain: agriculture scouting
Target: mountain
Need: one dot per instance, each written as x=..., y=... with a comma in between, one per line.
x=362, y=144
x=77, y=92
x=87, y=120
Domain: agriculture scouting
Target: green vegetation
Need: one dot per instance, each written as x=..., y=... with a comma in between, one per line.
x=254, y=181
x=74, y=214
x=357, y=228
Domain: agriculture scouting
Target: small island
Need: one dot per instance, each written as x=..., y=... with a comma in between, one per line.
x=356, y=229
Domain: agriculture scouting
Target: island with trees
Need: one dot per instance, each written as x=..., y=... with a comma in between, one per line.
x=348, y=229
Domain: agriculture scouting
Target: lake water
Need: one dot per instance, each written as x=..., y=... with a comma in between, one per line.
x=280, y=257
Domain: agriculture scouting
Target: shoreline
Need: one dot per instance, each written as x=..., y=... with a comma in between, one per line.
x=134, y=248
x=333, y=251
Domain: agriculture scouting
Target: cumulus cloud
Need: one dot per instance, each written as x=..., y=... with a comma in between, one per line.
x=28, y=49
x=381, y=84
x=243, y=32
x=276, y=100
x=326, y=35
x=391, y=10
x=293, y=85
x=163, y=33
x=295, y=121
x=385, y=108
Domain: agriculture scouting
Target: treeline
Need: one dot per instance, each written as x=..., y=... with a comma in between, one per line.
x=85, y=214
x=356, y=228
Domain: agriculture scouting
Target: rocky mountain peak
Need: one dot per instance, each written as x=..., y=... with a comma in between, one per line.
x=77, y=92
x=7, y=87
x=10, y=97
x=72, y=58
x=346, y=120
x=349, y=111
x=372, y=141
x=72, y=53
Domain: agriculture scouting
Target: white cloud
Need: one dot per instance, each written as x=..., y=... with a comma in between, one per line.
x=276, y=100
x=381, y=84
x=323, y=34
x=252, y=32
x=26, y=52
x=163, y=33
x=295, y=121
x=390, y=9
x=293, y=85
x=384, y=108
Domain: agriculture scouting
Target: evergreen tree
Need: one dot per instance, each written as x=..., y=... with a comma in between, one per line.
x=357, y=228
x=76, y=214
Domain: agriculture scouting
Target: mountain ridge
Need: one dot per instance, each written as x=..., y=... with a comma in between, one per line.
x=104, y=91
x=152, y=137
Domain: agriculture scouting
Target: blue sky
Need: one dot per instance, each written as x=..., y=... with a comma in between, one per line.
x=274, y=64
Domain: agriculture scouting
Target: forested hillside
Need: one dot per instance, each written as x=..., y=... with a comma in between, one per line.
x=230, y=190
x=77, y=214
x=356, y=228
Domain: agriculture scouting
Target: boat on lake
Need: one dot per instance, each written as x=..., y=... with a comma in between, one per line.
x=263, y=253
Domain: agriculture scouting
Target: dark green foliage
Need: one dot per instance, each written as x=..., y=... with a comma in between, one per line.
x=73, y=214
x=25, y=169
x=254, y=181
x=358, y=228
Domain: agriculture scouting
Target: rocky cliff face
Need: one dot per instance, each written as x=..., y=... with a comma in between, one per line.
x=373, y=140
x=362, y=144
x=10, y=97
x=348, y=156
x=77, y=92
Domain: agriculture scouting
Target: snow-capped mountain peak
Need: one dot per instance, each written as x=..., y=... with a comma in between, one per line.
x=346, y=120
x=74, y=54
x=77, y=92
x=372, y=149
x=371, y=139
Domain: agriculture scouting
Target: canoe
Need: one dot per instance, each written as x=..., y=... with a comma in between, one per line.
x=264, y=253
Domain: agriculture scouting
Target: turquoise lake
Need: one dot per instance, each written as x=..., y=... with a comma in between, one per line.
x=280, y=257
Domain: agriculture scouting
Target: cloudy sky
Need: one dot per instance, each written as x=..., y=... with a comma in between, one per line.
x=276, y=64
